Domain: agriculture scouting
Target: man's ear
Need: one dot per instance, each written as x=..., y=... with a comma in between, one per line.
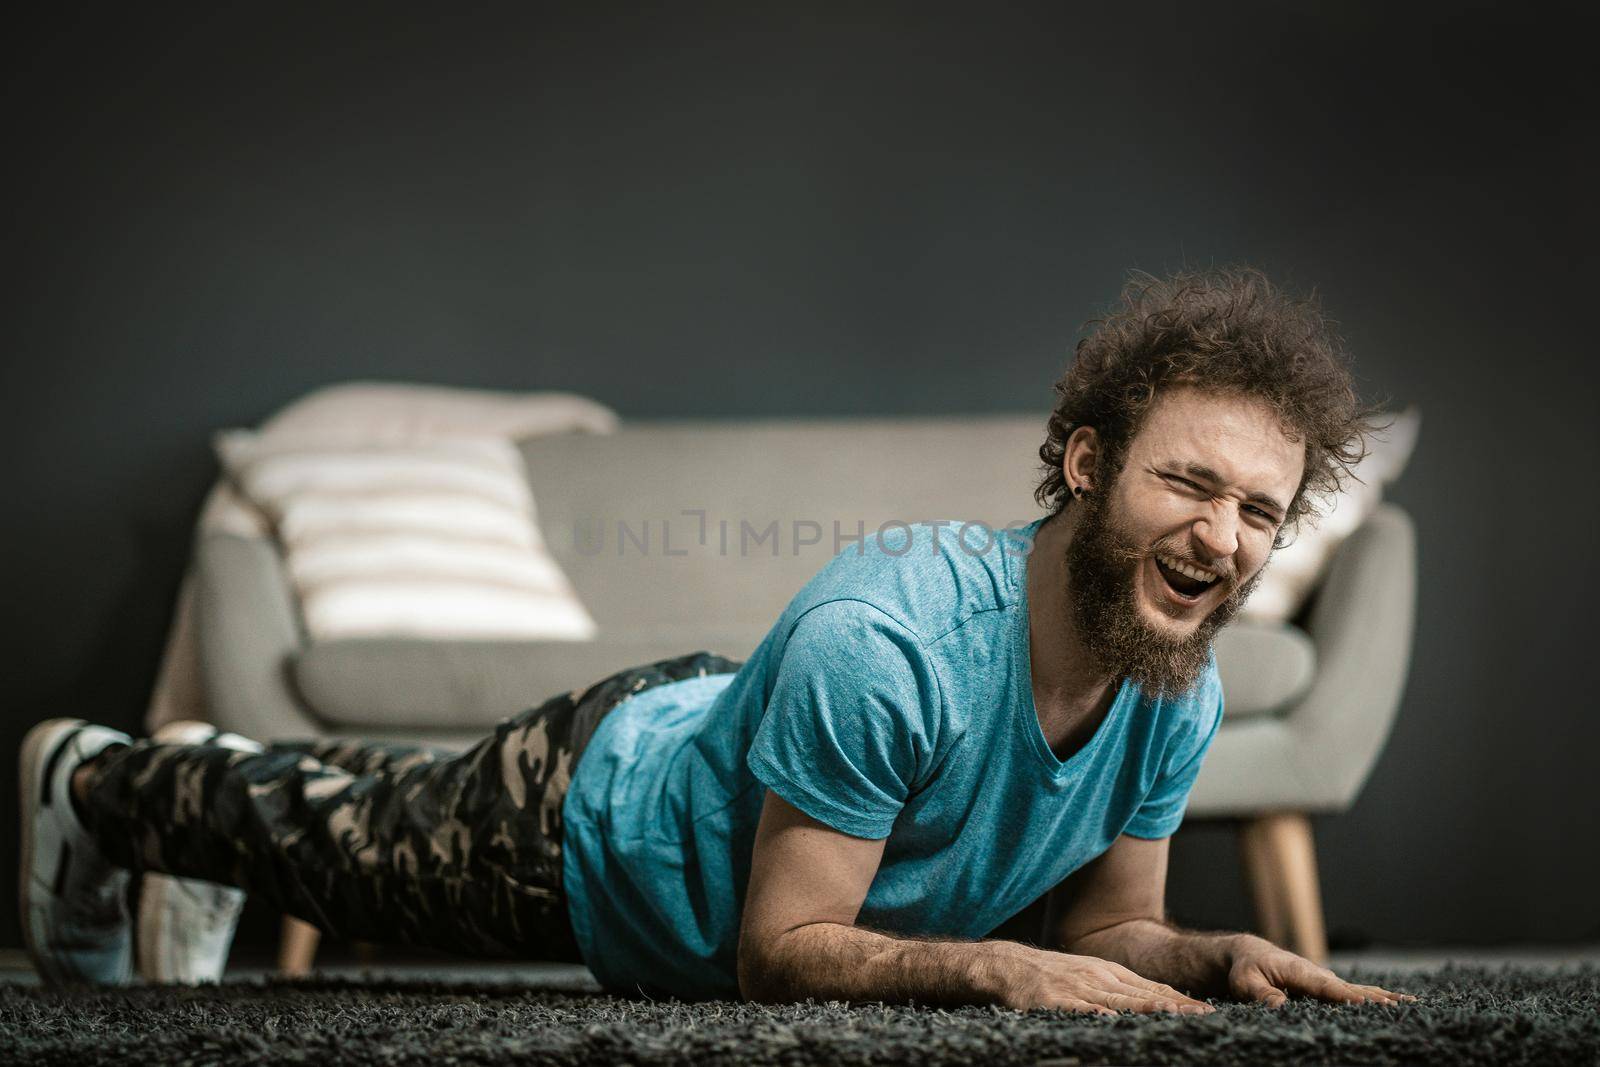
x=1080, y=458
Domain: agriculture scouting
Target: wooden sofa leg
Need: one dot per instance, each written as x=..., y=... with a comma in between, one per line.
x=1280, y=862
x=297, y=947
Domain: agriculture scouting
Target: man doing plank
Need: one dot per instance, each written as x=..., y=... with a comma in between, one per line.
x=929, y=738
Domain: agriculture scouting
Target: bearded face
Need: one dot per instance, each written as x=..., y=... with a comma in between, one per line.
x=1104, y=562
x=1169, y=542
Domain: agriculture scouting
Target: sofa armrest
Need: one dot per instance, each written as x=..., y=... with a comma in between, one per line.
x=1362, y=625
x=1316, y=756
x=249, y=631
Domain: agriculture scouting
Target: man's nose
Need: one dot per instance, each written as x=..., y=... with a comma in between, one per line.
x=1218, y=532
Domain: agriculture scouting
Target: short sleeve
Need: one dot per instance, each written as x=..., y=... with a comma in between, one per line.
x=849, y=723
x=1162, y=811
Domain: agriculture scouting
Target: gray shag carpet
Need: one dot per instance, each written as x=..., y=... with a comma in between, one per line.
x=1466, y=1015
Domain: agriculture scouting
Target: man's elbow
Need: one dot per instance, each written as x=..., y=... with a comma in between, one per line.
x=755, y=973
x=1094, y=939
x=777, y=968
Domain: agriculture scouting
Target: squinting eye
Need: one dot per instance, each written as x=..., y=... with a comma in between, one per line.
x=1262, y=514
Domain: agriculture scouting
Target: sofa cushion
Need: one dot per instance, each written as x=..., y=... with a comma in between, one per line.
x=360, y=685
x=365, y=686
x=1265, y=667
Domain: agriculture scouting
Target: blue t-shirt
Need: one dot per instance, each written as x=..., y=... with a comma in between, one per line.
x=893, y=700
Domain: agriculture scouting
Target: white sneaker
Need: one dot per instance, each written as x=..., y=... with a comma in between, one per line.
x=186, y=926
x=74, y=914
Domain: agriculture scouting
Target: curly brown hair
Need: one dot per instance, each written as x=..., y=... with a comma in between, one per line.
x=1227, y=330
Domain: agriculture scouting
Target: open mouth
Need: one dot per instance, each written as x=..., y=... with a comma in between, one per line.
x=1186, y=580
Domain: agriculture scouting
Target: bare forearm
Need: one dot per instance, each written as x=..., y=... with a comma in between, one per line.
x=831, y=961
x=1188, y=959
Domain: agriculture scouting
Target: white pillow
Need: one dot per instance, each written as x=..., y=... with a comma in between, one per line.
x=374, y=413
x=1295, y=569
x=435, y=539
x=404, y=413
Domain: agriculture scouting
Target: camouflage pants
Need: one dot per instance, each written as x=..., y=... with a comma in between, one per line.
x=378, y=842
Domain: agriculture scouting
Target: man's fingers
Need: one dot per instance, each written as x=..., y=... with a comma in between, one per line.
x=1164, y=998
x=1139, y=981
x=1254, y=986
x=1335, y=989
x=1283, y=974
x=1131, y=998
x=1393, y=997
x=1311, y=980
x=1127, y=1002
x=1328, y=986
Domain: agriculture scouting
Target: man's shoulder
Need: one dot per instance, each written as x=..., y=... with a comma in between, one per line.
x=929, y=578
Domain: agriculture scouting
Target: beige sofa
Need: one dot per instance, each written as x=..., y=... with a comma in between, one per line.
x=681, y=536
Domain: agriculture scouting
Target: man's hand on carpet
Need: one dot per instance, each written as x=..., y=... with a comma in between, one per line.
x=1036, y=978
x=1263, y=972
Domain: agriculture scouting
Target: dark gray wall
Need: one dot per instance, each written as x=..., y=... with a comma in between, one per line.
x=863, y=209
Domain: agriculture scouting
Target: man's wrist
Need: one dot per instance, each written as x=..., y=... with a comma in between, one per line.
x=1242, y=944
x=1202, y=961
x=1194, y=960
x=993, y=967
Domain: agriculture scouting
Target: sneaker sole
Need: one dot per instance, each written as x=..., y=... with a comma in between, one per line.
x=41, y=747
